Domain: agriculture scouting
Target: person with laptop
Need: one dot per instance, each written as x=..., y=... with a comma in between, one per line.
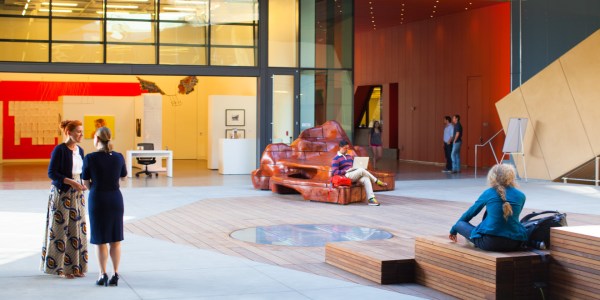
x=343, y=164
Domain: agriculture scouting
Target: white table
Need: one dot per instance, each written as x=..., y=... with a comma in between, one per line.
x=150, y=153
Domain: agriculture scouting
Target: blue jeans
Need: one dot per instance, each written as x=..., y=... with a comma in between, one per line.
x=456, y=156
x=487, y=242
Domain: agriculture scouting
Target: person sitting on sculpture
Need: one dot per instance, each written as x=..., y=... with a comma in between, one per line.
x=342, y=165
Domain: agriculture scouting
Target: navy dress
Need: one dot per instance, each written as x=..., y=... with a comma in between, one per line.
x=105, y=201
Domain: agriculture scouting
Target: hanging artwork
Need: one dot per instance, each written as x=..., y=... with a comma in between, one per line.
x=187, y=84
x=235, y=117
x=149, y=86
x=92, y=123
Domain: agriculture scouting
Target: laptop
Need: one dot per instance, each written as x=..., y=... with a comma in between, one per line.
x=359, y=162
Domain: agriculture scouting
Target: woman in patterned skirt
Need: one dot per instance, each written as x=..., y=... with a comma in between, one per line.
x=64, y=251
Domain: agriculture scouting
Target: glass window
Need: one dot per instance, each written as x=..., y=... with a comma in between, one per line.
x=185, y=11
x=182, y=55
x=77, y=30
x=232, y=56
x=72, y=9
x=129, y=31
x=77, y=53
x=238, y=35
x=24, y=8
x=283, y=33
x=326, y=95
x=25, y=52
x=130, y=54
x=182, y=33
x=24, y=28
x=129, y=9
x=233, y=11
x=327, y=34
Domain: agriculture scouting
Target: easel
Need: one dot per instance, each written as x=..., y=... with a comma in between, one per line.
x=514, y=140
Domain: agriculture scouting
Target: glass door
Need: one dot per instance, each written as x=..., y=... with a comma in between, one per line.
x=284, y=108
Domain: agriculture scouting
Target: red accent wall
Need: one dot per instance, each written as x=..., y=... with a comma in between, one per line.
x=432, y=61
x=48, y=91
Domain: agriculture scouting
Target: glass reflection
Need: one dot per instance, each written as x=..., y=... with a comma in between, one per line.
x=308, y=235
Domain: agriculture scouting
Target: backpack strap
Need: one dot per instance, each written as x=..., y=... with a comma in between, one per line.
x=534, y=214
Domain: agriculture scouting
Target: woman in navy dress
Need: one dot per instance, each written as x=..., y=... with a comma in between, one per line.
x=101, y=173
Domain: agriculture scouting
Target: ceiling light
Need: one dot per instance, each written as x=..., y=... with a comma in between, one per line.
x=179, y=8
x=60, y=4
x=56, y=10
x=122, y=6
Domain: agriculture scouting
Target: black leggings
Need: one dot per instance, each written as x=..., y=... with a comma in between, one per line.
x=488, y=242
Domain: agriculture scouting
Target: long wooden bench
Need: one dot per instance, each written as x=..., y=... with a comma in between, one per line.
x=575, y=268
x=382, y=261
x=463, y=271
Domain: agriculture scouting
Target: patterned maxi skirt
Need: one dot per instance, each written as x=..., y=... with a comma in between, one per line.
x=64, y=251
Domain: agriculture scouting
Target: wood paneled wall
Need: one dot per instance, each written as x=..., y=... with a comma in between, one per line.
x=438, y=64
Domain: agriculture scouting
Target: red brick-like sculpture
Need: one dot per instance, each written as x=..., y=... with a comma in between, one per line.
x=304, y=167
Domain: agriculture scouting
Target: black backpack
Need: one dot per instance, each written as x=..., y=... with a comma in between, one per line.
x=538, y=226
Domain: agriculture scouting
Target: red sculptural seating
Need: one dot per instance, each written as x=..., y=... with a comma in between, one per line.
x=304, y=167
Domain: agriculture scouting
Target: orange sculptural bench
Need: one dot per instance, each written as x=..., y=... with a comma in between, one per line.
x=304, y=167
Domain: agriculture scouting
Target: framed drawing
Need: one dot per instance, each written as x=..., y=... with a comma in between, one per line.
x=235, y=134
x=235, y=117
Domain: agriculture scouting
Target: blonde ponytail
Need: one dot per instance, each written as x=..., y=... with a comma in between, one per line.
x=500, y=177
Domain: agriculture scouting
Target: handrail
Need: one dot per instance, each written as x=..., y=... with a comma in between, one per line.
x=596, y=172
x=489, y=142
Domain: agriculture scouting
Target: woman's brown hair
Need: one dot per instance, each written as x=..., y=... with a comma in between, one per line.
x=103, y=135
x=69, y=125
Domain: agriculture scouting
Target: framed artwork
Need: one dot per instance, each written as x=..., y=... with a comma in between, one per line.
x=91, y=123
x=235, y=117
x=239, y=134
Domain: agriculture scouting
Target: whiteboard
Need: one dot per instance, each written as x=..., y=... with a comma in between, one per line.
x=514, y=138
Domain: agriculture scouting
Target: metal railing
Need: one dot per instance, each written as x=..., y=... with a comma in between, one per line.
x=489, y=142
x=596, y=179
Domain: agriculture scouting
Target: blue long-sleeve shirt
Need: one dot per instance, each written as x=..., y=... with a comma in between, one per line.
x=493, y=222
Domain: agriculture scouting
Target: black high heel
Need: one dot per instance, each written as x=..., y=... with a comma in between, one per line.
x=103, y=280
x=114, y=280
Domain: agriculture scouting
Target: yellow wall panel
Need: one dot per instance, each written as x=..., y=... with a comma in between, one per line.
x=581, y=66
x=556, y=121
x=513, y=106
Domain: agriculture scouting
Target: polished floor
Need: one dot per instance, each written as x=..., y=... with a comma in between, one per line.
x=178, y=243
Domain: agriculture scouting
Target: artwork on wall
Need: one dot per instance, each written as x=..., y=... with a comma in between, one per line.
x=235, y=117
x=235, y=133
x=91, y=123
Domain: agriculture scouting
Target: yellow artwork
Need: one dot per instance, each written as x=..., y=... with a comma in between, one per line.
x=91, y=123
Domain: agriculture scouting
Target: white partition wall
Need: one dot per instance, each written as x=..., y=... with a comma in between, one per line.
x=217, y=106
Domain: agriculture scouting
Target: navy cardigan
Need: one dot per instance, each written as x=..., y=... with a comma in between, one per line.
x=61, y=166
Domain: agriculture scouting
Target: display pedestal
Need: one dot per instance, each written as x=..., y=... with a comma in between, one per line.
x=237, y=156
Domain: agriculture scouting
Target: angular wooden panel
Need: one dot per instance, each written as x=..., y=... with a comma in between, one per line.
x=556, y=120
x=513, y=106
x=581, y=66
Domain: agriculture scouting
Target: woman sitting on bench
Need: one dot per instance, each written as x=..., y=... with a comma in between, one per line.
x=500, y=229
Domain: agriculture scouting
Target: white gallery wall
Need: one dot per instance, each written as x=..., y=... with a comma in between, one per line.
x=217, y=104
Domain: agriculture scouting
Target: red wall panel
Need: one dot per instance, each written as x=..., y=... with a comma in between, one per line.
x=48, y=91
x=432, y=62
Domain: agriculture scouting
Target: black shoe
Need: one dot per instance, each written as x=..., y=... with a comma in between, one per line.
x=114, y=280
x=103, y=280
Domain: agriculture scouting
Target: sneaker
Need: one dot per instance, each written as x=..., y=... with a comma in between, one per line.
x=380, y=183
x=373, y=202
x=446, y=171
x=541, y=245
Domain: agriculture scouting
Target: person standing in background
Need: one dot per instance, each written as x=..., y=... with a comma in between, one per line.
x=456, y=143
x=375, y=142
x=64, y=250
x=448, y=138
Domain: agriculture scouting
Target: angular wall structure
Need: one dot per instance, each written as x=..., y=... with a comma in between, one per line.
x=562, y=103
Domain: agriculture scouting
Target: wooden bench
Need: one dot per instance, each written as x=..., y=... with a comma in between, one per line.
x=575, y=268
x=463, y=271
x=304, y=167
x=381, y=261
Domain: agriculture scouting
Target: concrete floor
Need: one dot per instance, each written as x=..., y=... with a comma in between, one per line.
x=156, y=269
